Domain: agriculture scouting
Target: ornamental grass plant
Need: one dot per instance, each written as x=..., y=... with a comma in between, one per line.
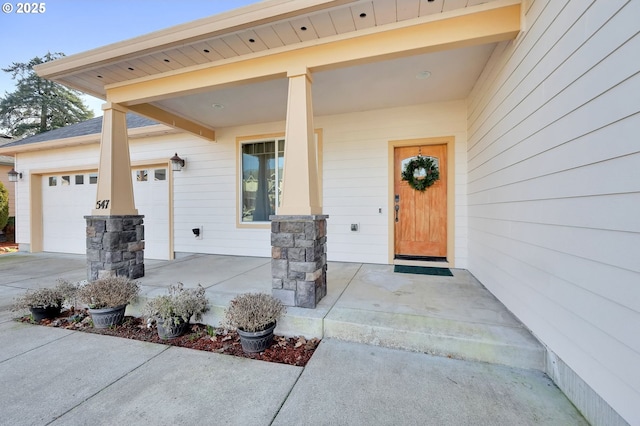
x=253, y=312
x=178, y=306
x=55, y=297
x=109, y=292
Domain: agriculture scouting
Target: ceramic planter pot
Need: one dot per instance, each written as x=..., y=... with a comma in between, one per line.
x=257, y=341
x=171, y=331
x=49, y=312
x=107, y=317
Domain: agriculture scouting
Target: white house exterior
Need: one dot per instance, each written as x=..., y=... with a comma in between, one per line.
x=542, y=166
x=553, y=204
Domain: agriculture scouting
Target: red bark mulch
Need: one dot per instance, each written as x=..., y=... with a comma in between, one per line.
x=8, y=248
x=293, y=351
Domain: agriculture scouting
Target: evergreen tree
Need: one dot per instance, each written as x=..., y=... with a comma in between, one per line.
x=38, y=105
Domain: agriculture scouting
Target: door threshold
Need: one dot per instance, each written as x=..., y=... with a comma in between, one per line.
x=425, y=263
x=420, y=258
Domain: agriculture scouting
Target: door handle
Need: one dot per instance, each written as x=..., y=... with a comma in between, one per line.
x=397, y=208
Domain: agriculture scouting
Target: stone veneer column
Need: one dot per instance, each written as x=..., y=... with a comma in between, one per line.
x=299, y=259
x=115, y=246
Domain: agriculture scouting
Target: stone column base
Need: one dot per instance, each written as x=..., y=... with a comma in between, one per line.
x=115, y=246
x=299, y=259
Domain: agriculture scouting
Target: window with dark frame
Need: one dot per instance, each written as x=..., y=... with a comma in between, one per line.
x=262, y=166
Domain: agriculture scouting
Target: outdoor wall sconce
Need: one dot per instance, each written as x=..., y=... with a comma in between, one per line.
x=177, y=163
x=14, y=176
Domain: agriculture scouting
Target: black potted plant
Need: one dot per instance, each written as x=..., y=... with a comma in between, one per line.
x=46, y=303
x=254, y=316
x=173, y=312
x=107, y=299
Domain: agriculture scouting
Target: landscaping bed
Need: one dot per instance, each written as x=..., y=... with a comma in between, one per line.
x=293, y=351
x=8, y=247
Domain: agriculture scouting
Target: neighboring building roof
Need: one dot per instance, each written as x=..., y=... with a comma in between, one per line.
x=89, y=127
x=6, y=160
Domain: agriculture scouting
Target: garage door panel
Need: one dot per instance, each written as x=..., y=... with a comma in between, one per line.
x=68, y=197
x=151, y=193
x=65, y=204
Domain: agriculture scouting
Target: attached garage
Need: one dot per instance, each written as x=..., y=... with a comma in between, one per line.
x=69, y=196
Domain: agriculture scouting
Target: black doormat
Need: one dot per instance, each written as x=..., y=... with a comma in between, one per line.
x=421, y=258
x=444, y=272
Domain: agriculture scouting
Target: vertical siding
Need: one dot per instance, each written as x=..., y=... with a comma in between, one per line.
x=554, y=187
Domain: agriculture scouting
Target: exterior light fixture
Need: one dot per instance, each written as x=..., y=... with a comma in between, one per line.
x=177, y=163
x=14, y=176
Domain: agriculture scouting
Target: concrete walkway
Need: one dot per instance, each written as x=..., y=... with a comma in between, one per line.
x=65, y=377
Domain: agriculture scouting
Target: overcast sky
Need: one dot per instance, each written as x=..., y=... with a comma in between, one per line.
x=74, y=26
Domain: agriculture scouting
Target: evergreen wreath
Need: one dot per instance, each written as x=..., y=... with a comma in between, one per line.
x=432, y=174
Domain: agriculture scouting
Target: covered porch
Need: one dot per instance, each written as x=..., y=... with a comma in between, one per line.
x=292, y=65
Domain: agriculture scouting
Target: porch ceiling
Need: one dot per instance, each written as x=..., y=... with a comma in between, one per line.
x=275, y=27
x=386, y=84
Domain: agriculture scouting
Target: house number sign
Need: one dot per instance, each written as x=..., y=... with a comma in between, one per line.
x=102, y=204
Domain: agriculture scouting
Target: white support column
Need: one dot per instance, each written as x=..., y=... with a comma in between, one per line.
x=115, y=186
x=300, y=195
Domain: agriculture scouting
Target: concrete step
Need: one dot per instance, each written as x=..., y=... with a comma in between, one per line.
x=496, y=344
x=296, y=322
x=492, y=343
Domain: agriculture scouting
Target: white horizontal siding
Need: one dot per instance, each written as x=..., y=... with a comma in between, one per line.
x=355, y=184
x=554, y=188
x=23, y=213
x=356, y=175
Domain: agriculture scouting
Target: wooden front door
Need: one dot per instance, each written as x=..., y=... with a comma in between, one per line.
x=420, y=217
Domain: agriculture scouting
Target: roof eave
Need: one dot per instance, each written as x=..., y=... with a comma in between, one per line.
x=226, y=22
x=134, y=133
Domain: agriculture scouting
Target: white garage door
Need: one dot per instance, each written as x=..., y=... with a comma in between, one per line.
x=67, y=198
x=151, y=194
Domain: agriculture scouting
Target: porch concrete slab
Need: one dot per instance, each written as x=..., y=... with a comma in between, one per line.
x=460, y=297
x=18, y=338
x=296, y=321
x=353, y=384
x=53, y=378
x=447, y=316
x=252, y=276
x=40, y=269
x=184, y=386
x=203, y=269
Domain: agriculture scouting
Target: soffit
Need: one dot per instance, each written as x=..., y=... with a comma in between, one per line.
x=270, y=25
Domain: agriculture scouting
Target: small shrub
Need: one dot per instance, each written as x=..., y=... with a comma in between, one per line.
x=179, y=306
x=253, y=312
x=109, y=292
x=4, y=206
x=63, y=292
